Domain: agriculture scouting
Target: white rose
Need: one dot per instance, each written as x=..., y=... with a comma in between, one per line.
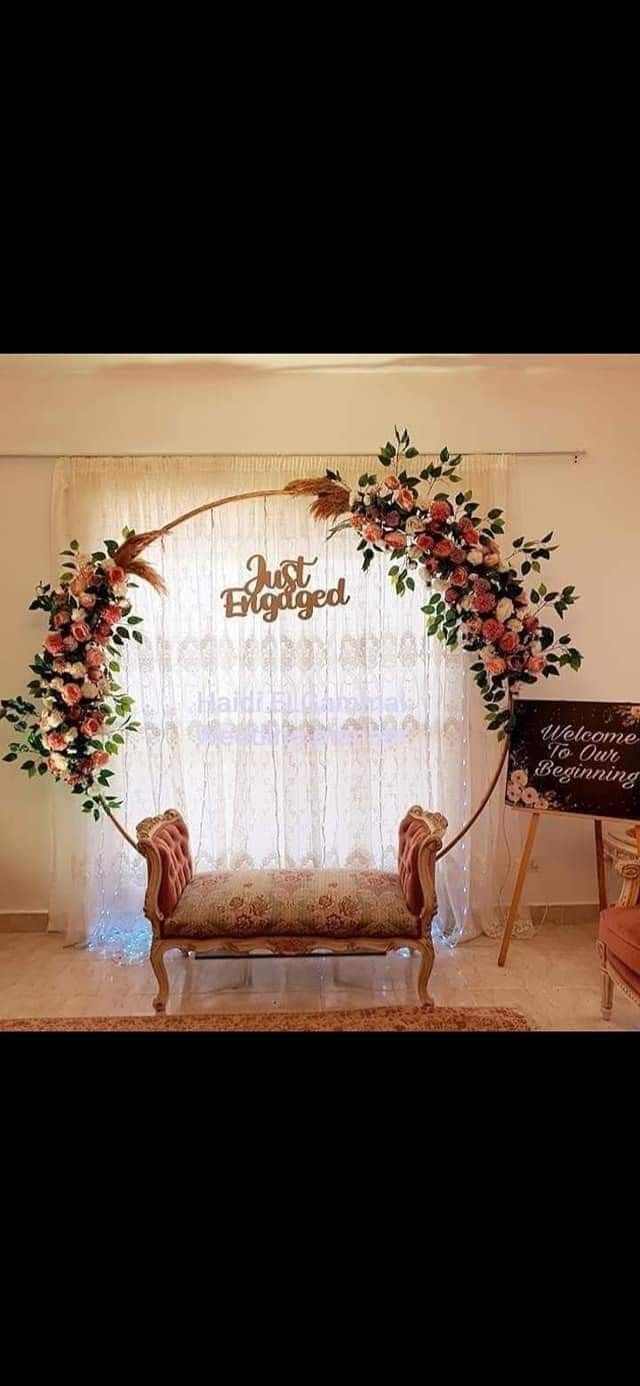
x=71, y=734
x=475, y=557
x=504, y=609
x=58, y=762
x=58, y=684
x=466, y=602
x=54, y=719
x=515, y=624
x=89, y=690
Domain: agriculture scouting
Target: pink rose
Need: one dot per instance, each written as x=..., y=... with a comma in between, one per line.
x=372, y=533
x=116, y=576
x=94, y=659
x=424, y=542
x=430, y=566
x=483, y=602
x=457, y=555
x=88, y=601
x=394, y=541
x=56, y=741
x=69, y=643
x=495, y=666
x=474, y=626
x=509, y=642
x=492, y=630
x=531, y=623
x=535, y=664
x=451, y=595
x=515, y=663
x=58, y=665
x=61, y=618
x=80, y=631
x=481, y=585
x=443, y=547
x=71, y=694
x=459, y=577
x=90, y=726
x=111, y=614
x=440, y=511
x=471, y=536
x=54, y=644
x=405, y=498
x=100, y=758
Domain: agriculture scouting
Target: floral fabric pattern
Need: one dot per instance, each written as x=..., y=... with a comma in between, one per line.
x=339, y=904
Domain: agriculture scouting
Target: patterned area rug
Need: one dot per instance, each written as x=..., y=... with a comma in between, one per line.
x=376, y=1018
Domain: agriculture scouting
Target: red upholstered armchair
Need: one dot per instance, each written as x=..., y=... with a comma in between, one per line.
x=619, y=939
x=290, y=912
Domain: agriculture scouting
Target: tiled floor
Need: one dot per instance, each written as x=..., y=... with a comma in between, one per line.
x=553, y=978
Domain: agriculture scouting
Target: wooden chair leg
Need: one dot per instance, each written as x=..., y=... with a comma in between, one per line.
x=606, y=984
x=156, y=958
x=426, y=966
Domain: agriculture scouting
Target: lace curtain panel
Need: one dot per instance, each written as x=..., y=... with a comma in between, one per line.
x=290, y=743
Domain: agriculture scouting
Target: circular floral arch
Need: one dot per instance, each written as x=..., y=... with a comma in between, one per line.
x=475, y=597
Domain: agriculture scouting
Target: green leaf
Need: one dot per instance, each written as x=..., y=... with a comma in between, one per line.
x=526, y=568
x=411, y=584
x=535, y=596
x=42, y=768
x=137, y=636
x=411, y=452
x=493, y=514
x=444, y=455
x=11, y=756
x=74, y=545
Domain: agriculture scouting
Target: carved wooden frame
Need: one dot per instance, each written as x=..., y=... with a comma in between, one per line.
x=629, y=870
x=283, y=944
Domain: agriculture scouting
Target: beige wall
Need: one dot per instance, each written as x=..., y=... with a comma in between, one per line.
x=594, y=507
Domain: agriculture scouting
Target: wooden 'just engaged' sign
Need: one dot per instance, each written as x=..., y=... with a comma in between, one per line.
x=287, y=588
x=575, y=757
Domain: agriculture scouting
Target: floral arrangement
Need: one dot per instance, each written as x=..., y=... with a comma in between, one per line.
x=478, y=598
x=84, y=713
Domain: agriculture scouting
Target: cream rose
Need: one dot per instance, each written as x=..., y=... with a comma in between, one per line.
x=519, y=778
x=58, y=684
x=415, y=525
x=57, y=762
x=475, y=557
x=53, y=719
x=71, y=734
x=515, y=624
x=504, y=609
x=90, y=690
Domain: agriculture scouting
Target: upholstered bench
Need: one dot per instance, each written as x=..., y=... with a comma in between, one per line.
x=289, y=912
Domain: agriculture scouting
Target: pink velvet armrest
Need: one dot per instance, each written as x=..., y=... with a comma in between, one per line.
x=164, y=841
x=420, y=839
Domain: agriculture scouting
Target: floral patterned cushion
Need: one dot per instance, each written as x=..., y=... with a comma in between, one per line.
x=338, y=903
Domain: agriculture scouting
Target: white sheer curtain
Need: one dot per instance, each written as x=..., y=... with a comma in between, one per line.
x=293, y=743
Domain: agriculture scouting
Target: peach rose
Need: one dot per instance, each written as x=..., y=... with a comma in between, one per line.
x=392, y=481
x=459, y=577
x=111, y=614
x=71, y=694
x=100, y=758
x=495, y=666
x=88, y=601
x=405, y=498
x=56, y=741
x=61, y=618
x=80, y=631
x=535, y=664
x=509, y=642
x=357, y=521
x=69, y=643
x=424, y=542
x=474, y=626
x=440, y=511
x=59, y=665
x=492, y=630
x=531, y=623
x=457, y=555
x=54, y=644
x=94, y=659
x=395, y=541
x=483, y=602
x=90, y=726
x=372, y=533
x=443, y=548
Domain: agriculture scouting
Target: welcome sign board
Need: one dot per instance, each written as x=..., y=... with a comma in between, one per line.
x=575, y=757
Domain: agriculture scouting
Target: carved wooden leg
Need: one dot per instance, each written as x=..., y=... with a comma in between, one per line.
x=426, y=948
x=156, y=958
x=606, y=984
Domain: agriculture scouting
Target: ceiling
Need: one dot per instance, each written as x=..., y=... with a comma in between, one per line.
x=87, y=362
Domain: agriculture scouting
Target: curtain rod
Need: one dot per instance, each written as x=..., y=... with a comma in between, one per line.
x=562, y=452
